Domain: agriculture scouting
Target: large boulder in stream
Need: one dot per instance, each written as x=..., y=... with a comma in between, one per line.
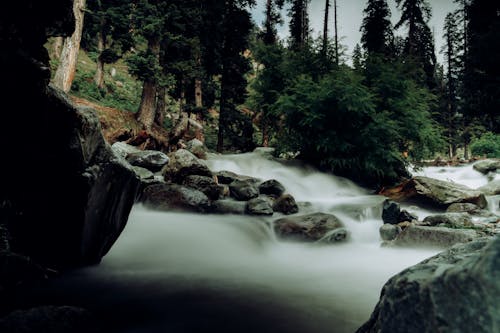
x=487, y=166
x=228, y=206
x=261, y=205
x=64, y=194
x=271, y=187
x=438, y=237
x=183, y=163
x=450, y=220
x=204, y=184
x=243, y=190
x=170, y=197
x=455, y=291
x=286, y=204
x=149, y=159
x=197, y=148
x=434, y=192
x=227, y=177
x=124, y=149
x=316, y=227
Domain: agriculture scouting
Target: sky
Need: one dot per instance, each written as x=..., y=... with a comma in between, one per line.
x=350, y=17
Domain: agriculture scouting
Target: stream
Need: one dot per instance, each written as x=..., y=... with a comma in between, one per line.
x=183, y=272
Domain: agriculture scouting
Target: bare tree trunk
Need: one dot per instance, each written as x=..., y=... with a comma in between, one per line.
x=336, y=33
x=265, y=135
x=161, y=107
x=99, y=73
x=198, y=101
x=65, y=72
x=57, y=47
x=198, y=96
x=325, y=28
x=147, y=108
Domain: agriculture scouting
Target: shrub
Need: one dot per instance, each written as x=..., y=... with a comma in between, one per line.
x=487, y=145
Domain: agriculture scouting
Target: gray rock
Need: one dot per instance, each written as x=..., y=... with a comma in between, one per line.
x=487, y=166
x=455, y=291
x=492, y=188
x=450, y=220
x=204, y=184
x=271, y=187
x=468, y=208
x=143, y=173
x=243, y=190
x=182, y=163
x=227, y=206
x=406, y=216
x=149, y=159
x=390, y=212
x=50, y=319
x=175, y=197
x=311, y=227
x=441, y=193
x=124, y=149
x=389, y=232
x=425, y=236
x=286, y=204
x=227, y=177
x=197, y=148
x=259, y=206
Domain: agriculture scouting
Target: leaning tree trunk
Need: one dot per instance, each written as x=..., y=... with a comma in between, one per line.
x=99, y=73
x=57, y=47
x=147, y=108
x=65, y=72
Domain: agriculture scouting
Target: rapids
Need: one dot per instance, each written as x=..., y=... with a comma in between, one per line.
x=183, y=272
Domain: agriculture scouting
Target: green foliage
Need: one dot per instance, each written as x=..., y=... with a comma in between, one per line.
x=488, y=145
x=144, y=65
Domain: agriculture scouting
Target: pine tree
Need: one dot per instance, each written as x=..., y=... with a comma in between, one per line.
x=419, y=44
x=377, y=34
x=357, y=58
x=299, y=23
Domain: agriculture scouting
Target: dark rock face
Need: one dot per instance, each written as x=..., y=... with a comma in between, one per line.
x=286, y=204
x=311, y=227
x=204, y=184
x=227, y=177
x=390, y=212
x=243, y=190
x=455, y=291
x=175, y=197
x=182, y=164
x=76, y=205
x=272, y=187
x=259, y=206
x=51, y=319
x=149, y=159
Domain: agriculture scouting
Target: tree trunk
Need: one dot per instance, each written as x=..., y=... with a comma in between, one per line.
x=65, y=72
x=161, y=107
x=466, y=150
x=57, y=47
x=336, y=33
x=147, y=108
x=99, y=73
x=265, y=135
x=325, y=28
x=198, y=96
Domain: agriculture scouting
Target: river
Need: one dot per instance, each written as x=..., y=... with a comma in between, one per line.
x=182, y=272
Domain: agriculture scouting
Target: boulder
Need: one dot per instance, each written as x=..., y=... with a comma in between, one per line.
x=142, y=173
x=17, y=269
x=425, y=236
x=51, y=319
x=271, y=187
x=405, y=216
x=175, y=197
x=124, y=149
x=227, y=177
x=492, y=188
x=227, y=206
x=243, y=190
x=204, y=184
x=468, y=208
x=455, y=291
x=390, y=212
x=437, y=193
x=286, y=204
x=197, y=148
x=450, y=220
x=312, y=227
x=149, y=159
x=259, y=206
x=182, y=163
x=389, y=231
x=487, y=166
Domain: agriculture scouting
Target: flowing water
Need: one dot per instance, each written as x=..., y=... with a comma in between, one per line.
x=182, y=272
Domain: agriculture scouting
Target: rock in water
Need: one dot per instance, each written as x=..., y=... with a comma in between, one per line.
x=311, y=227
x=441, y=237
x=175, y=197
x=197, y=148
x=204, y=184
x=243, y=190
x=487, y=166
x=389, y=231
x=492, y=188
x=259, y=206
x=182, y=163
x=271, y=187
x=451, y=220
x=124, y=149
x=227, y=206
x=435, y=192
x=455, y=291
x=149, y=159
x=390, y=212
x=286, y=204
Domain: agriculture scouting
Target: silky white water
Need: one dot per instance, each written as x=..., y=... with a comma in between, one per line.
x=183, y=272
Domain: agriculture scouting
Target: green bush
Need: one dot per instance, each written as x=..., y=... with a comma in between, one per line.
x=487, y=145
